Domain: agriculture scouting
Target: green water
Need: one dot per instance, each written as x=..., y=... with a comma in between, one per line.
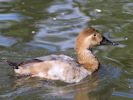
x=31, y=28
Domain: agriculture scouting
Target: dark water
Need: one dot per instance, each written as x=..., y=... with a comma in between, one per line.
x=31, y=28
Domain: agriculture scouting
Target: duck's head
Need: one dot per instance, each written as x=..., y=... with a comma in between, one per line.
x=90, y=37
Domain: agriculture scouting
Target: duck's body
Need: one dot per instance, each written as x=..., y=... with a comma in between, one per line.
x=54, y=67
x=65, y=68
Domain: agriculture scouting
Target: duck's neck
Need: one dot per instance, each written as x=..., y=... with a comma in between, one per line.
x=87, y=59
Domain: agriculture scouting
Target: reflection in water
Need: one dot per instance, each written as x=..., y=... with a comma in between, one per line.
x=6, y=41
x=31, y=28
x=9, y=17
x=97, y=87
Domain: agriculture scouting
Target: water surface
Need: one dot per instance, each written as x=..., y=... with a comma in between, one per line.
x=31, y=28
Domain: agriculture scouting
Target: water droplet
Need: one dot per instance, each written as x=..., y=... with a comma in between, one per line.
x=126, y=38
x=98, y=10
x=33, y=32
x=54, y=18
x=129, y=86
x=62, y=14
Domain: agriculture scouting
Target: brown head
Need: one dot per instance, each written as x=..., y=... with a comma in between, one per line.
x=86, y=39
x=90, y=37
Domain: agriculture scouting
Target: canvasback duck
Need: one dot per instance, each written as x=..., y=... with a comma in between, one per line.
x=63, y=67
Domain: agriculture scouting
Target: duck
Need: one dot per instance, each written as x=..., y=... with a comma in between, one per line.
x=62, y=67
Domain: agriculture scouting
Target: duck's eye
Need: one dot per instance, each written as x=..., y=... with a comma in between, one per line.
x=95, y=34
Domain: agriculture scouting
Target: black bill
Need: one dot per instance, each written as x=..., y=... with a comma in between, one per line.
x=107, y=42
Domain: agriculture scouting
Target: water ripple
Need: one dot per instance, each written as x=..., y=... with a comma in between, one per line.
x=123, y=94
x=128, y=8
x=7, y=41
x=11, y=16
x=31, y=28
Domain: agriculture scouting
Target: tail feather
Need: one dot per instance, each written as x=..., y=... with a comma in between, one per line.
x=14, y=64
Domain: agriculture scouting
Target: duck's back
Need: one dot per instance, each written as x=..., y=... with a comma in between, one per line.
x=55, y=67
x=55, y=57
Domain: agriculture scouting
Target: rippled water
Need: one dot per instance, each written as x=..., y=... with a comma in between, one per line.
x=31, y=28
